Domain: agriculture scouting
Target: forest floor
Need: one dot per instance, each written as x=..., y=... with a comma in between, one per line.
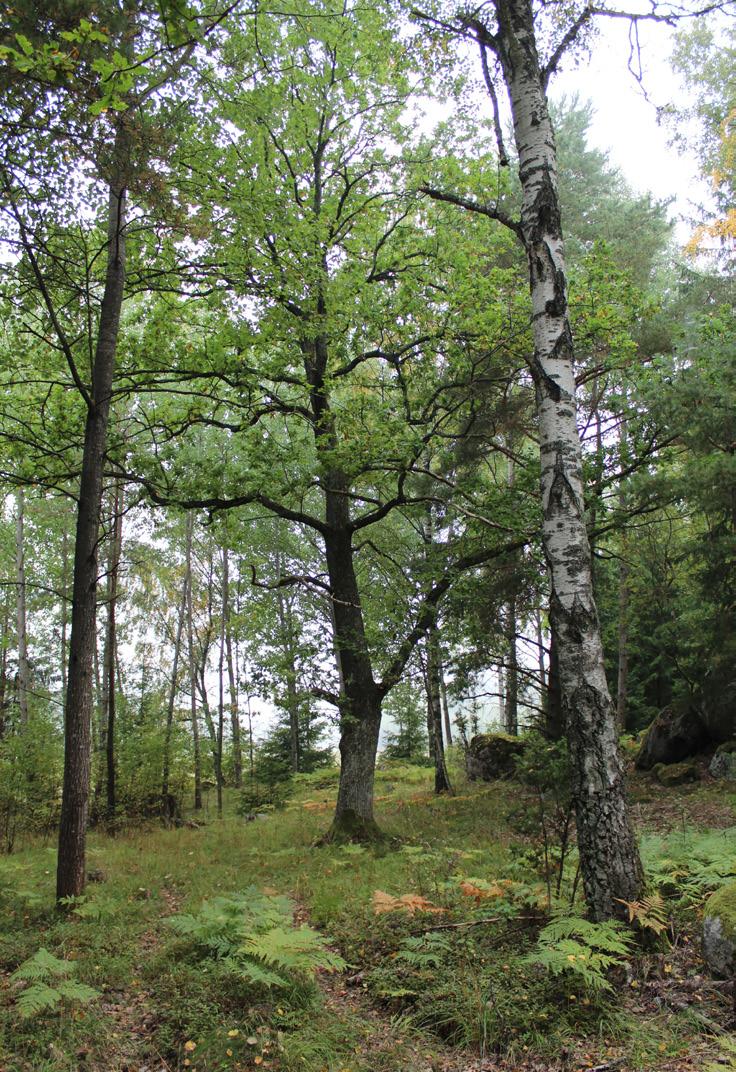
x=444, y=982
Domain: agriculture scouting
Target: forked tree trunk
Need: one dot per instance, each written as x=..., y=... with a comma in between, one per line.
x=70, y=874
x=610, y=864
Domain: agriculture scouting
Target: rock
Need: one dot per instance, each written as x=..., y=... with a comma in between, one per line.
x=493, y=755
x=670, y=774
x=718, y=706
x=719, y=932
x=723, y=764
x=673, y=736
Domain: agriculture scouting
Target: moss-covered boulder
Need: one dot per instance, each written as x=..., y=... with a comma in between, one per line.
x=670, y=774
x=723, y=764
x=493, y=755
x=719, y=932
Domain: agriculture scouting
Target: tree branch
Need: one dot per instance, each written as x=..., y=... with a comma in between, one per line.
x=491, y=211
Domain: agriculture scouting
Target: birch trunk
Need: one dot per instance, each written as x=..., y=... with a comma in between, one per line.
x=70, y=875
x=609, y=858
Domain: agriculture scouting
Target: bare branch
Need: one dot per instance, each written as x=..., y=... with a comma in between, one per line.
x=469, y=203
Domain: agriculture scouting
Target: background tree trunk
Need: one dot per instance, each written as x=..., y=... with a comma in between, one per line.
x=70, y=875
x=232, y=681
x=165, y=794
x=116, y=542
x=24, y=674
x=442, y=782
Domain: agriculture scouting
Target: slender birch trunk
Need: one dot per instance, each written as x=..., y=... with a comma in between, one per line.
x=609, y=858
x=70, y=876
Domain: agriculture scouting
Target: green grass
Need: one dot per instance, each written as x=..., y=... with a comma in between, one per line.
x=422, y=982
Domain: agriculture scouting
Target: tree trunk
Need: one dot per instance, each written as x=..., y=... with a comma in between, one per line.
x=232, y=681
x=193, y=686
x=360, y=702
x=610, y=864
x=24, y=674
x=4, y=645
x=286, y=629
x=166, y=804
x=220, y=711
x=445, y=705
x=64, y=609
x=442, y=782
x=511, y=706
x=70, y=876
x=111, y=644
x=622, y=684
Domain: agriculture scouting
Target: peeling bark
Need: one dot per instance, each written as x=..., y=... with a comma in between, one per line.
x=610, y=863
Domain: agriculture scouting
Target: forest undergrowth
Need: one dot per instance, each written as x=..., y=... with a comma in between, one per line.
x=236, y=945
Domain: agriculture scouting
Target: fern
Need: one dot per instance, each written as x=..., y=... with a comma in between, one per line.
x=692, y=863
x=43, y=965
x=570, y=945
x=252, y=935
x=51, y=984
x=424, y=951
x=650, y=912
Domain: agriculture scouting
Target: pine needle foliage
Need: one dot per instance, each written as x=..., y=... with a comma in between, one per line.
x=585, y=951
x=253, y=935
x=51, y=984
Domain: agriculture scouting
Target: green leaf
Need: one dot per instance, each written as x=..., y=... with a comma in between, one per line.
x=25, y=44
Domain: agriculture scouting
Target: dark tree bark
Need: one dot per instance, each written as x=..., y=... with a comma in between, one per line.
x=70, y=875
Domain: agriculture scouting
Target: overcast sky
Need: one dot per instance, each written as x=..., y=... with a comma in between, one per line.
x=625, y=123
